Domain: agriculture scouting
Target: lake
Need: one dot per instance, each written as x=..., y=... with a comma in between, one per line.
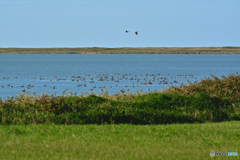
x=116, y=73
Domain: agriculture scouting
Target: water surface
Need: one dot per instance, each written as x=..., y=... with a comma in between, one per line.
x=112, y=72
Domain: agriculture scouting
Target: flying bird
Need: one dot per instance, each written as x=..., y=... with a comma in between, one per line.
x=136, y=32
x=126, y=31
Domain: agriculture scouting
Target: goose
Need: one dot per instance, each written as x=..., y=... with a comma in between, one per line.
x=150, y=83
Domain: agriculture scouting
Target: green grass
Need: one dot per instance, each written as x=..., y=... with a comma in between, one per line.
x=127, y=50
x=177, y=141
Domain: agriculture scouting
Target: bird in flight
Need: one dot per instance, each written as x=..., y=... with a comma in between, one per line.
x=126, y=31
x=136, y=32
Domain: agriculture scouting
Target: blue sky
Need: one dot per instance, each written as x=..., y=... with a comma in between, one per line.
x=102, y=23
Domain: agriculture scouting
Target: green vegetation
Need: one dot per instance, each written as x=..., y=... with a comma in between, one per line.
x=138, y=50
x=178, y=141
x=211, y=100
x=226, y=88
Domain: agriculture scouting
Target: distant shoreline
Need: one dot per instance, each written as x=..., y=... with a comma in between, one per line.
x=124, y=50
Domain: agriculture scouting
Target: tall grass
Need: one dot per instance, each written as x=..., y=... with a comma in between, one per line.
x=225, y=88
x=211, y=100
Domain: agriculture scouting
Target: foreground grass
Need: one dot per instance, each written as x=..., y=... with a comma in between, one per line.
x=127, y=50
x=178, y=141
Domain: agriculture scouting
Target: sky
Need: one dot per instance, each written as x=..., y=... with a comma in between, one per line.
x=102, y=23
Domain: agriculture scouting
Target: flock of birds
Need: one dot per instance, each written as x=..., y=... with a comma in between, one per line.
x=121, y=83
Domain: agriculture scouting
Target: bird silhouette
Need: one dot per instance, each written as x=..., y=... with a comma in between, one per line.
x=126, y=31
x=136, y=32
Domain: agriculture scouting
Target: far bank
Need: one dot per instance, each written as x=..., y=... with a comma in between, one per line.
x=125, y=50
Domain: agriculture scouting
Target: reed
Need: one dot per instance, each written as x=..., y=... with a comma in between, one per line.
x=210, y=100
x=225, y=87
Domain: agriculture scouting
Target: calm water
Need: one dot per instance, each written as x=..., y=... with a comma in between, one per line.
x=40, y=73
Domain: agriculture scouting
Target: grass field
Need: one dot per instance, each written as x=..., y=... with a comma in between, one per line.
x=177, y=141
x=137, y=50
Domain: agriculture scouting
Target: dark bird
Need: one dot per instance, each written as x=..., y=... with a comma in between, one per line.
x=126, y=31
x=136, y=32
